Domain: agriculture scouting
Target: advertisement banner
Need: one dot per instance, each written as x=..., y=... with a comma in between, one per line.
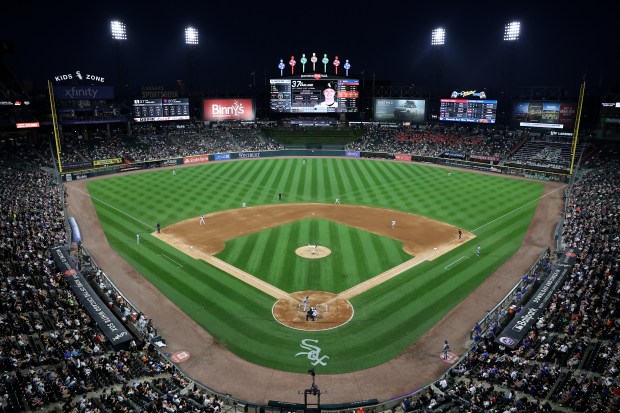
x=352, y=154
x=104, y=162
x=410, y=110
x=77, y=165
x=453, y=155
x=249, y=155
x=402, y=158
x=195, y=159
x=228, y=109
x=83, y=92
x=221, y=156
x=523, y=321
x=107, y=322
x=26, y=125
x=484, y=158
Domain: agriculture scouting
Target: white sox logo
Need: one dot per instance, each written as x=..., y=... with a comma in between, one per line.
x=313, y=352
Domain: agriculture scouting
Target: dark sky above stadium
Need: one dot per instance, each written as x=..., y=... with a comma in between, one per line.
x=559, y=44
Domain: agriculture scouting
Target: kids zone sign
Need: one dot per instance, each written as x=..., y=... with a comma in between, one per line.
x=228, y=109
x=78, y=75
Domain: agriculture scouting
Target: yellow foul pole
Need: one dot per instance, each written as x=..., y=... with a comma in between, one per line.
x=577, y=122
x=55, y=123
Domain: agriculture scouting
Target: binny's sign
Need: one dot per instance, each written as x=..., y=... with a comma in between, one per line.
x=78, y=75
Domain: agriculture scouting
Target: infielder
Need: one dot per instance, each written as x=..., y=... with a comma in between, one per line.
x=243, y=205
x=337, y=200
x=393, y=224
x=202, y=220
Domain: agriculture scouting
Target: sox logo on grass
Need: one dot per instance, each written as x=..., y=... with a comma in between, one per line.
x=313, y=352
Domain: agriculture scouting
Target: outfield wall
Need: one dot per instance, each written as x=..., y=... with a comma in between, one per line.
x=488, y=166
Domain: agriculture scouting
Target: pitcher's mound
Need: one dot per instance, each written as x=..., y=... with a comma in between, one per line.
x=308, y=251
x=332, y=312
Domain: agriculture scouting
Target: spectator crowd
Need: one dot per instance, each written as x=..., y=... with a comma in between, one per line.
x=54, y=357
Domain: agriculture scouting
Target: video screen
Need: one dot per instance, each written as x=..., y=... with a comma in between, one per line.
x=407, y=110
x=308, y=94
x=548, y=115
x=152, y=110
x=468, y=110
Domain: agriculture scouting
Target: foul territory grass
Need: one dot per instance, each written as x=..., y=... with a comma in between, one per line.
x=387, y=318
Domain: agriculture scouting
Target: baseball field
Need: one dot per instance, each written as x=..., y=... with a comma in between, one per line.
x=242, y=274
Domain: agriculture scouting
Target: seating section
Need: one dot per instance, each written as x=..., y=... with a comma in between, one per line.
x=545, y=155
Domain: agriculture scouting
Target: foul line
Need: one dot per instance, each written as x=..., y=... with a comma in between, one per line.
x=165, y=256
x=110, y=206
x=399, y=269
x=449, y=265
x=516, y=209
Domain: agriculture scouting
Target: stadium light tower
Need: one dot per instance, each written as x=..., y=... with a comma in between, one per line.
x=119, y=30
x=438, y=39
x=438, y=36
x=119, y=36
x=191, y=35
x=191, y=43
x=512, y=31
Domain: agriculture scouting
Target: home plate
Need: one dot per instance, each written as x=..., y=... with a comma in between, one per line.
x=451, y=357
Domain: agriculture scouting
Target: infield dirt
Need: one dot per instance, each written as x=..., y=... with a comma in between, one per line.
x=422, y=237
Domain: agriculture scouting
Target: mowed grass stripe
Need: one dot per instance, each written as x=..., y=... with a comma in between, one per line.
x=239, y=316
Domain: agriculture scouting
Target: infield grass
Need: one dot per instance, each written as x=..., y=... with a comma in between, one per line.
x=359, y=256
x=387, y=318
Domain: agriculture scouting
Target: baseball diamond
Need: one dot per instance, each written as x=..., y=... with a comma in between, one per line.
x=384, y=297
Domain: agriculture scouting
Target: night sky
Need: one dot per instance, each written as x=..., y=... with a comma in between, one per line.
x=559, y=44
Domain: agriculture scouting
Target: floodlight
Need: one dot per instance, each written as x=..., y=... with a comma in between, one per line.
x=191, y=35
x=511, y=31
x=119, y=30
x=438, y=36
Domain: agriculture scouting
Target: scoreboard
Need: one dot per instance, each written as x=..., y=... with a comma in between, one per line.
x=149, y=110
x=468, y=110
x=305, y=95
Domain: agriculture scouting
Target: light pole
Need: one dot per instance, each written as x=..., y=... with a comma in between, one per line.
x=438, y=39
x=512, y=31
x=118, y=30
x=191, y=42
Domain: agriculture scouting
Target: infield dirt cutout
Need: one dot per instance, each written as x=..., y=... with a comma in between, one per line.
x=423, y=238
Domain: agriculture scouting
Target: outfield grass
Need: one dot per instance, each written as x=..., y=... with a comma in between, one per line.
x=387, y=319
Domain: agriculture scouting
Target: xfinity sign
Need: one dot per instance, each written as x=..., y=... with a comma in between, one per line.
x=83, y=92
